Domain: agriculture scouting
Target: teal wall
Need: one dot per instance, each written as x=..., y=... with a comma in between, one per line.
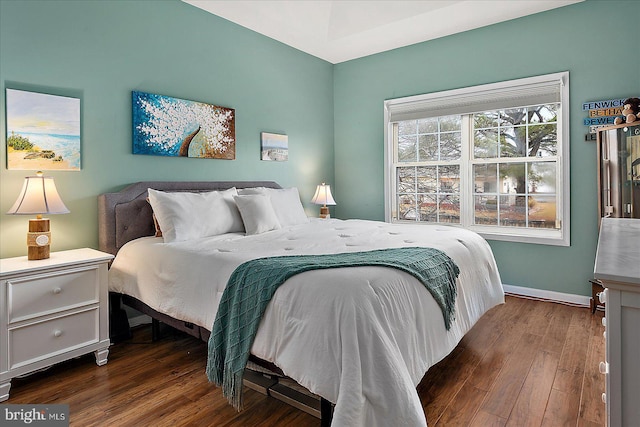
x=587, y=39
x=102, y=50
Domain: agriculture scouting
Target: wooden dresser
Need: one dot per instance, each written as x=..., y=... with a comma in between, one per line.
x=617, y=266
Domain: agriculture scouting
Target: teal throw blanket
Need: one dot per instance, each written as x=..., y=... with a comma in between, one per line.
x=253, y=283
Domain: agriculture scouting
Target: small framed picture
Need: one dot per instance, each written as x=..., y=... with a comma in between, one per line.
x=274, y=147
x=43, y=131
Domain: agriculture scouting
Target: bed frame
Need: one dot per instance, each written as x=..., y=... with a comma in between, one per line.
x=126, y=215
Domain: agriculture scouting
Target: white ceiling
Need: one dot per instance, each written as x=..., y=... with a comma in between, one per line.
x=340, y=30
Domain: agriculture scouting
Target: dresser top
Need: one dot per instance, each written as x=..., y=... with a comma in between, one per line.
x=618, y=254
x=61, y=259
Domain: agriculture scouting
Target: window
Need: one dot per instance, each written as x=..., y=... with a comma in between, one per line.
x=491, y=158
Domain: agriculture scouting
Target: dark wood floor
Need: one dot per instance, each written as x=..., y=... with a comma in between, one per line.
x=526, y=363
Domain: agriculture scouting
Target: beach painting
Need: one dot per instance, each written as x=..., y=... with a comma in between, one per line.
x=274, y=147
x=166, y=126
x=43, y=131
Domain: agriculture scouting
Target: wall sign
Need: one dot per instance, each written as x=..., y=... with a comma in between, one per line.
x=601, y=114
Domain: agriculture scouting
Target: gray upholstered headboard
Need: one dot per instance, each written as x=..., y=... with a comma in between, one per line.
x=126, y=215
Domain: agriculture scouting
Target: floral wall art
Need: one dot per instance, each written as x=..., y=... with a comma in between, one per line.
x=43, y=131
x=167, y=126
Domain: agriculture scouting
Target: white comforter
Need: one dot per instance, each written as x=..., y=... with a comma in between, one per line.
x=361, y=337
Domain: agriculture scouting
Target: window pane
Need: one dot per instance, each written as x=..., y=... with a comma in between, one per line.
x=485, y=210
x=543, y=113
x=543, y=140
x=450, y=123
x=407, y=148
x=512, y=178
x=407, y=207
x=542, y=211
x=485, y=143
x=407, y=127
x=515, y=116
x=487, y=119
x=542, y=177
x=449, y=179
x=513, y=212
x=428, y=147
x=485, y=178
x=449, y=209
x=429, y=125
x=427, y=179
x=428, y=207
x=406, y=179
x=450, y=147
x=513, y=141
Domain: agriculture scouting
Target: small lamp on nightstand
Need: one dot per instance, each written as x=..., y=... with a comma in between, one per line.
x=323, y=197
x=38, y=196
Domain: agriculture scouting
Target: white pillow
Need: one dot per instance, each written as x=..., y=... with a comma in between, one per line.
x=257, y=213
x=285, y=202
x=186, y=216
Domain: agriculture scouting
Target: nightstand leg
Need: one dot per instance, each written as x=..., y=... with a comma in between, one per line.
x=101, y=356
x=4, y=391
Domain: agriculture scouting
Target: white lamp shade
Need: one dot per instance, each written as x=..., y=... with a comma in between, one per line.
x=323, y=195
x=38, y=196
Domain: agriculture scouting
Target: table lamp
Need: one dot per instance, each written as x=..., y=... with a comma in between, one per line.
x=38, y=196
x=323, y=197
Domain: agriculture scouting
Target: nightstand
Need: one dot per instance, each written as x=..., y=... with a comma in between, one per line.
x=52, y=310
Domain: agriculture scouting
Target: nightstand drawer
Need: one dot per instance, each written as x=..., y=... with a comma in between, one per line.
x=34, y=296
x=45, y=339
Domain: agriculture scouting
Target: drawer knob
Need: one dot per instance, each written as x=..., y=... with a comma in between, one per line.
x=604, y=397
x=57, y=334
x=603, y=297
x=604, y=322
x=603, y=367
x=56, y=291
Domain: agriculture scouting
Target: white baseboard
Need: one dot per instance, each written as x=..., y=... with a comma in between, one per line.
x=571, y=299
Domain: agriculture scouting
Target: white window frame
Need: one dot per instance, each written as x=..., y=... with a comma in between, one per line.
x=527, y=91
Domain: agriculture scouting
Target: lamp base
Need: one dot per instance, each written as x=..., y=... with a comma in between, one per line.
x=38, y=239
x=324, y=212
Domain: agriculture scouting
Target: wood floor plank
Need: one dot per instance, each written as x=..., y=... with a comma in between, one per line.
x=490, y=326
x=574, y=354
x=444, y=382
x=591, y=406
x=497, y=355
x=534, y=395
x=537, y=321
x=501, y=369
x=556, y=335
x=485, y=419
x=562, y=409
x=462, y=409
x=505, y=391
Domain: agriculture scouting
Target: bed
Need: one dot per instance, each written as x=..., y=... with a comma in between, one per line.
x=360, y=337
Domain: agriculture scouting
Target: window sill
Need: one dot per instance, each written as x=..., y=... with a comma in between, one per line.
x=532, y=236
